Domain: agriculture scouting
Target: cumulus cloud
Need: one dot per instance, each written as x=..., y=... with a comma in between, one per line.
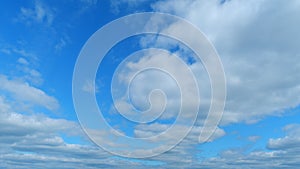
x=260, y=57
x=170, y=76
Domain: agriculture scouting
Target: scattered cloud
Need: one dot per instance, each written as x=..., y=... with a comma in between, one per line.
x=26, y=65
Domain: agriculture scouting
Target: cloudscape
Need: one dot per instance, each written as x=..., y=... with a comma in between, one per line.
x=192, y=84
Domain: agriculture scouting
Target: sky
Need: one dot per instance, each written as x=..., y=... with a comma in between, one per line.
x=257, y=42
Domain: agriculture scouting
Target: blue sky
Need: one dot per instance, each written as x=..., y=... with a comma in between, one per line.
x=257, y=42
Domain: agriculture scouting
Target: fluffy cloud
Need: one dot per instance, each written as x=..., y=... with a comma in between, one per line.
x=250, y=59
x=257, y=42
x=150, y=71
x=171, y=76
x=259, y=53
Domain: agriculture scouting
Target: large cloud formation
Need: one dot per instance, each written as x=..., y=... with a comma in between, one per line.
x=257, y=42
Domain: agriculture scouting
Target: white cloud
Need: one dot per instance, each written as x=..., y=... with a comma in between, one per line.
x=262, y=74
x=31, y=75
x=32, y=141
x=290, y=141
x=156, y=128
x=28, y=138
x=283, y=153
x=27, y=63
x=40, y=14
x=23, y=53
x=23, y=61
x=171, y=76
x=117, y=5
x=27, y=94
x=259, y=54
x=257, y=42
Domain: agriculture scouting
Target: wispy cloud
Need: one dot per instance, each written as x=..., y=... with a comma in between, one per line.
x=39, y=14
x=118, y=5
x=22, y=61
